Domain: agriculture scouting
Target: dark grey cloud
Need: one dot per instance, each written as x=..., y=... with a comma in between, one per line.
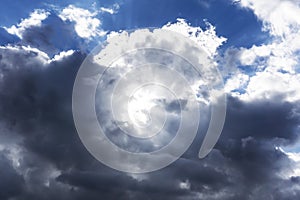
x=36, y=102
x=12, y=183
x=263, y=120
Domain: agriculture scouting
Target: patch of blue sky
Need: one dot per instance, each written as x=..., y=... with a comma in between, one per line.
x=297, y=67
x=239, y=90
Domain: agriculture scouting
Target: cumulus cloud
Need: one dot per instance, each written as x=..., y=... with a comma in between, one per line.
x=272, y=66
x=86, y=24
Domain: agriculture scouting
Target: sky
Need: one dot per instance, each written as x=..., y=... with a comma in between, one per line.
x=254, y=45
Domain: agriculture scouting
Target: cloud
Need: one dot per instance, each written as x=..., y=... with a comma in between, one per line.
x=52, y=35
x=28, y=92
x=272, y=67
x=113, y=10
x=86, y=24
x=207, y=39
x=280, y=18
x=107, y=10
x=8, y=61
x=62, y=55
x=251, y=135
x=12, y=183
x=35, y=19
x=294, y=172
x=7, y=38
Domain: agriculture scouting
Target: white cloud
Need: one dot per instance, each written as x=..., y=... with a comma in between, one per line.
x=113, y=10
x=107, y=10
x=279, y=17
x=12, y=51
x=36, y=54
x=174, y=77
x=270, y=85
x=275, y=64
x=248, y=56
x=35, y=19
x=294, y=169
x=86, y=24
x=61, y=55
x=294, y=156
x=239, y=80
x=185, y=185
x=207, y=39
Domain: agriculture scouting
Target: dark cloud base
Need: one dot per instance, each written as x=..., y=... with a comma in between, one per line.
x=35, y=107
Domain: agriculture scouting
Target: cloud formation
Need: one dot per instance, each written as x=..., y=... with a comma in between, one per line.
x=41, y=156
